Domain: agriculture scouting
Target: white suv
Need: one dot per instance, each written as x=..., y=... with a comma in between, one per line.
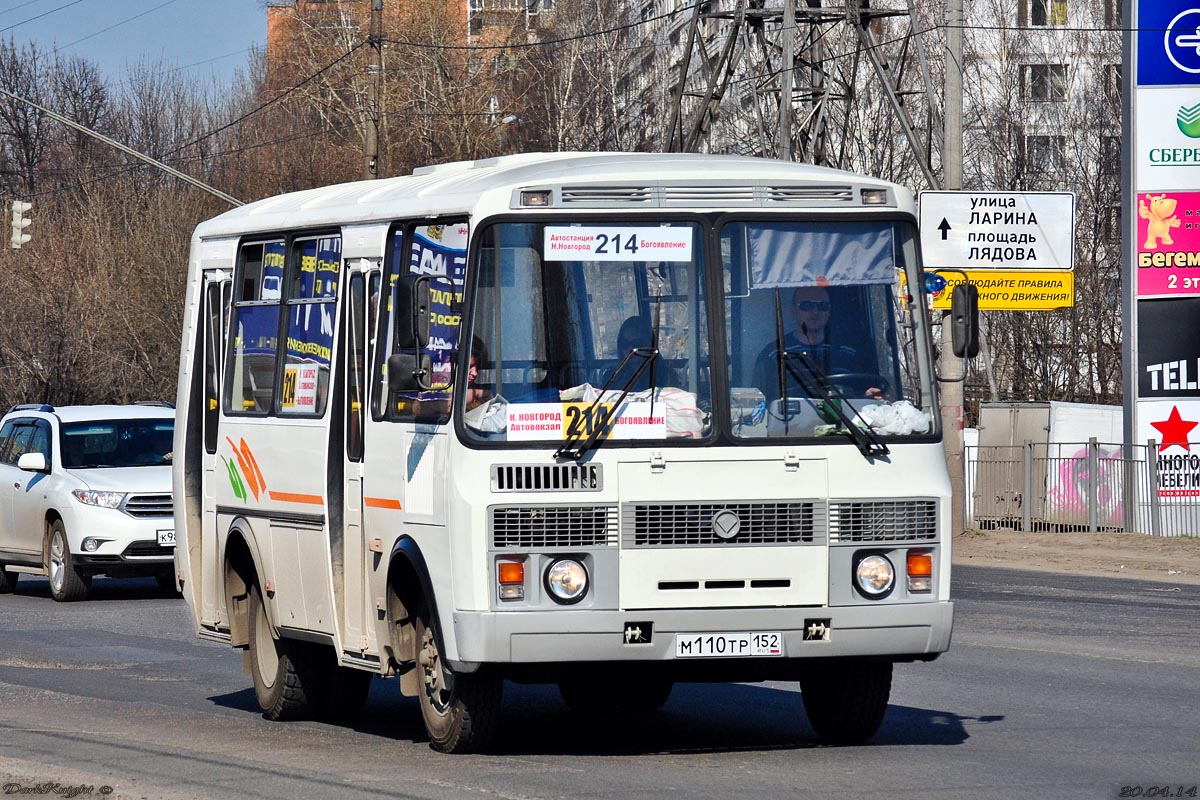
x=86, y=491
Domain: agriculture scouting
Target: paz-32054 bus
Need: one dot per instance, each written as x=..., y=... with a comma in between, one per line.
x=609, y=421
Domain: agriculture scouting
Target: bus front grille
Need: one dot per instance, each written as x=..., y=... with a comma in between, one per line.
x=554, y=527
x=882, y=521
x=722, y=524
x=547, y=478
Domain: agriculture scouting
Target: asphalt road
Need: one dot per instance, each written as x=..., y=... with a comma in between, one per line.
x=1056, y=686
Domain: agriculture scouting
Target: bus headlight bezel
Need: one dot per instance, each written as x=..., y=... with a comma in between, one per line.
x=567, y=581
x=874, y=575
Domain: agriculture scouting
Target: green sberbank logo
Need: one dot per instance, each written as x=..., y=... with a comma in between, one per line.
x=1189, y=121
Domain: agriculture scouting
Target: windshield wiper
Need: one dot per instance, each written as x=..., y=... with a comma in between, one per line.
x=569, y=448
x=834, y=398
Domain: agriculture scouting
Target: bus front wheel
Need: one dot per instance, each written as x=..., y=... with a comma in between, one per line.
x=287, y=675
x=461, y=711
x=846, y=702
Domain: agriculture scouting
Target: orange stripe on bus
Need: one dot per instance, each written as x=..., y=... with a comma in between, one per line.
x=382, y=502
x=289, y=497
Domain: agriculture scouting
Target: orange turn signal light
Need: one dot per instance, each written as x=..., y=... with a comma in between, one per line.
x=920, y=564
x=511, y=571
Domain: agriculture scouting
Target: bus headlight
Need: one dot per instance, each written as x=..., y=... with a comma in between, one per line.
x=874, y=576
x=567, y=581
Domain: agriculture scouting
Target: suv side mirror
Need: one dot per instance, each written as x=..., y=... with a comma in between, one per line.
x=964, y=320
x=412, y=299
x=33, y=462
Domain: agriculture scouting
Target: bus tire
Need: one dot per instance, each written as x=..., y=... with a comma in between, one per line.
x=345, y=696
x=67, y=584
x=8, y=580
x=846, y=702
x=461, y=711
x=287, y=674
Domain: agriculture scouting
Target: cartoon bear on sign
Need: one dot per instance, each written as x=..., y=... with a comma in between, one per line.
x=1161, y=215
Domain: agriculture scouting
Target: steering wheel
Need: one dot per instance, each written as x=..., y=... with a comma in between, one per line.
x=856, y=384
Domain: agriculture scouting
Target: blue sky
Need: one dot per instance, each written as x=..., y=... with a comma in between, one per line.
x=179, y=33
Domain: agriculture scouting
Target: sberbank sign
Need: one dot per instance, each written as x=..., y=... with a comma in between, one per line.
x=1167, y=140
x=1176, y=156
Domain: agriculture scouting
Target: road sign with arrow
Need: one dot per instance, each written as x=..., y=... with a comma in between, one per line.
x=998, y=230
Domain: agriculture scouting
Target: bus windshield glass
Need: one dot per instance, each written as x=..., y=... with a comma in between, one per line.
x=818, y=335
x=572, y=317
x=581, y=326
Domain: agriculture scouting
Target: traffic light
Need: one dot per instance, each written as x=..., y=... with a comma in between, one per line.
x=20, y=221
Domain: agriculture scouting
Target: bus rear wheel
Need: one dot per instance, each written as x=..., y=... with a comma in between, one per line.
x=287, y=675
x=846, y=702
x=461, y=711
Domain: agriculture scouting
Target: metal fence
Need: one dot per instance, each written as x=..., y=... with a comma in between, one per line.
x=1088, y=486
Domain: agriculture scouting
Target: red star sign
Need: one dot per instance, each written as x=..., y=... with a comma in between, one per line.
x=1174, y=430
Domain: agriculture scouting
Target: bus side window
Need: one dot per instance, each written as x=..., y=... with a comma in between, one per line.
x=356, y=368
x=254, y=335
x=213, y=338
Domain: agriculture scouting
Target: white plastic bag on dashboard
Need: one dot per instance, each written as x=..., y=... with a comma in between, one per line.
x=898, y=419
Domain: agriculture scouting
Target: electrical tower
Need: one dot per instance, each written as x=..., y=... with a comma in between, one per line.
x=839, y=83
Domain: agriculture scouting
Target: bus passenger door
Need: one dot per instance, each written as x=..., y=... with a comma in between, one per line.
x=214, y=320
x=360, y=301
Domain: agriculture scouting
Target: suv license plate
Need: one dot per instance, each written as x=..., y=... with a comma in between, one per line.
x=728, y=645
x=166, y=538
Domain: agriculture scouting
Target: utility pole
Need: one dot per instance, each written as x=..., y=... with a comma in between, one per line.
x=786, y=81
x=950, y=367
x=374, y=74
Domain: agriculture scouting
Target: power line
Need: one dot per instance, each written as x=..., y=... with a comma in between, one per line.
x=270, y=102
x=544, y=42
x=22, y=5
x=117, y=24
x=39, y=16
x=210, y=60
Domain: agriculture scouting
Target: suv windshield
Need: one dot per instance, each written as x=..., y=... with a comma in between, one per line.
x=568, y=314
x=117, y=443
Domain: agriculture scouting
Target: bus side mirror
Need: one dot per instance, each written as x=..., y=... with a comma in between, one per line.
x=412, y=299
x=409, y=372
x=964, y=320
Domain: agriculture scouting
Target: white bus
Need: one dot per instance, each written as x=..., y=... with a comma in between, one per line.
x=609, y=421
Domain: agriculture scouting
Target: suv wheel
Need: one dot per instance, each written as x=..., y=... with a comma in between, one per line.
x=8, y=580
x=67, y=584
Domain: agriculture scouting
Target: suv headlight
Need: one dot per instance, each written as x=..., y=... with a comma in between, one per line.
x=102, y=499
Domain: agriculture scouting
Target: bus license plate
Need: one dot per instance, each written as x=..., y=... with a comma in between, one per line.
x=166, y=538
x=728, y=645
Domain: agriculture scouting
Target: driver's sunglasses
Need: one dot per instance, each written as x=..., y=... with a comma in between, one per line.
x=813, y=305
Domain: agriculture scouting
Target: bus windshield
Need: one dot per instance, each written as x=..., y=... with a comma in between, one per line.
x=570, y=317
x=818, y=335
x=585, y=325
